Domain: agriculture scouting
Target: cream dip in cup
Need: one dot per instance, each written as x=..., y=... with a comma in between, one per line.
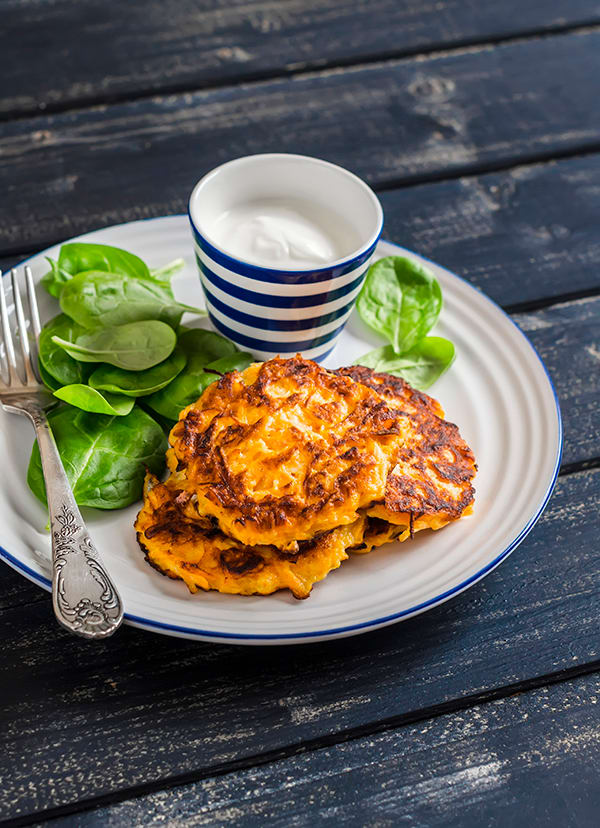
x=283, y=243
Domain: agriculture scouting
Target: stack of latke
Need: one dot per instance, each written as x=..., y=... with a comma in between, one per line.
x=278, y=472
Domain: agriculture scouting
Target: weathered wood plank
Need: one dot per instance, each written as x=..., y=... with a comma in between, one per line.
x=16, y=591
x=399, y=121
x=6, y=262
x=567, y=338
x=81, y=721
x=528, y=760
x=522, y=235
x=519, y=235
x=152, y=46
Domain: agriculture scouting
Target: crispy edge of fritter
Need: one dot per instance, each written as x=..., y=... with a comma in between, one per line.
x=408, y=399
x=413, y=488
x=205, y=559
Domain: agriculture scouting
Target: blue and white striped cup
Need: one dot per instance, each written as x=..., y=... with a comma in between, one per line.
x=270, y=311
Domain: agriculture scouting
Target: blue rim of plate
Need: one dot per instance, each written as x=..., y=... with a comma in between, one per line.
x=149, y=624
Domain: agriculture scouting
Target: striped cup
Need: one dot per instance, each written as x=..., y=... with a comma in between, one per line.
x=270, y=311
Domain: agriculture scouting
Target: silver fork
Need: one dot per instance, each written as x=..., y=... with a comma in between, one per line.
x=84, y=597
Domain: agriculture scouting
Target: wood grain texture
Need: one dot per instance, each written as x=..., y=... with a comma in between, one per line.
x=526, y=234
x=525, y=761
x=16, y=591
x=523, y=235
x=73, y=51
x=398, y=121
x=567, y=337
x=81, y=721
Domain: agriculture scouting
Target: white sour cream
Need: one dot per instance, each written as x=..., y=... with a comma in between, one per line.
x=284, y=233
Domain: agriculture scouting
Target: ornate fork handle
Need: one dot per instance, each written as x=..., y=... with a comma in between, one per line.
x=85, y=599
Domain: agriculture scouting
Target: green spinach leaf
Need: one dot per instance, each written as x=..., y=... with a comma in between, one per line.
x=204, y=346
x=95, y=299
x=77, y=257
x=105, y=458
x=135, y=346
x=55, y=278
x=88, y=399
x=139, y=383
x=55, y=360
x=166, y=423
x=421, y=366
x=233, y=362
x=400, y=300
x=166, y=273
x=48, y=379
x=203, y=349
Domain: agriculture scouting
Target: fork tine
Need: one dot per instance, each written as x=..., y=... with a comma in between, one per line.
x=33, y=305
x=22, y=326
x=8, y=343
x=35, y=321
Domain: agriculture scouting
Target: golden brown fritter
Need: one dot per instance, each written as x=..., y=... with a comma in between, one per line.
x=430, y=482
x=277, y=473
x=180, y=545
x=285, y=450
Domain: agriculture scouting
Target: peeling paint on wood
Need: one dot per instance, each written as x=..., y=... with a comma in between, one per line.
x=133, y=160
x=527, y=760
x=165, y=44
x=491, y=230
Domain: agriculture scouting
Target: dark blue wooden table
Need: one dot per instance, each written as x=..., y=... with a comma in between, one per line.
x=478, y=123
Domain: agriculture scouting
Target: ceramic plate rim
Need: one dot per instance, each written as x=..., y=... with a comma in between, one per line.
x=349, y=629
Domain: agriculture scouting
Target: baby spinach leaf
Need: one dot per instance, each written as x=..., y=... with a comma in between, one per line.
x=48, y=379
x=135, y=347
x=421, y=366
x=105, y=458
x=203, y=349
x=55, y=278
x=184, y=390
x=77, y=257
x=166, y=423
x=88, y=399
x=400, y=300
x=234, y=362
x=54, y=359
x=138, y=383
x=95, y=299
x=166, y=273
x=204, y=346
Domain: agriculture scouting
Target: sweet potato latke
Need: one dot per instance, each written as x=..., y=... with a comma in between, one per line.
x=277, y=472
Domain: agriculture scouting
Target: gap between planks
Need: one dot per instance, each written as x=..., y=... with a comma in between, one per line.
x=483, y=168
x=297, y=70
x=464, y=171
x=310, y=745
x=543, y=303
x=9, y=256
x=579, y=466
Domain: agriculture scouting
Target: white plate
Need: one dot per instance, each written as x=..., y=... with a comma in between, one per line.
x=497, y=391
